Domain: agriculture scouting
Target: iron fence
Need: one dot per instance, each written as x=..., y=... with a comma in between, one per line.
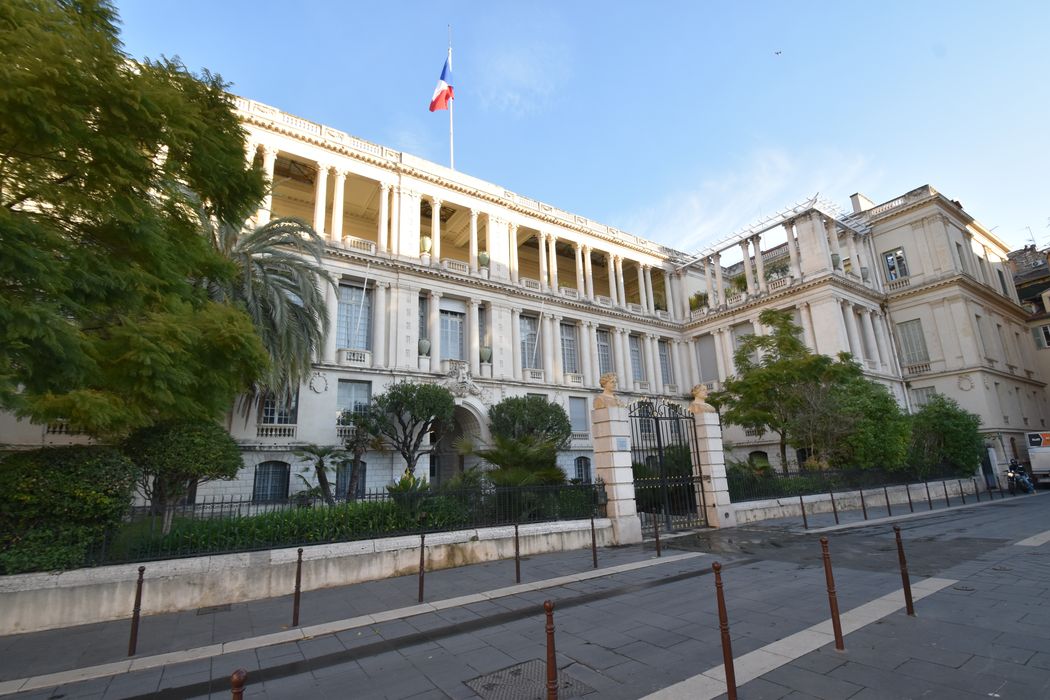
x=752, y=485
x=675, y=502
x=228, y=525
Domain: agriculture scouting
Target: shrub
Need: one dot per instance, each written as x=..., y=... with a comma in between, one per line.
x=530, y=417
x=56, y=503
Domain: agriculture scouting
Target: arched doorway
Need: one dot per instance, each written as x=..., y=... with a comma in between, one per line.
x=446, y=461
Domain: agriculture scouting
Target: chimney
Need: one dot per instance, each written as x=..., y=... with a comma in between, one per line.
x=860, y=203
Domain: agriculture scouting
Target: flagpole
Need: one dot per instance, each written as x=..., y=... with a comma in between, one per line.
x=451, y=133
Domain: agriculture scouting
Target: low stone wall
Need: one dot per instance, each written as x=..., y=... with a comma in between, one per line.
x=788, y=507
x=33, y=602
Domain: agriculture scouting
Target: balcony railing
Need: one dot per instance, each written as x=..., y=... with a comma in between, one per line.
x=269, y=430
x=583, y=436
x=670, y=388
x=734, y=299
x=634, y=308
x=779, y=283
x=351, y=357
x=898, y=284
x=603, y=301
x=455, y=266
x=533, y=375
x=642, y=385
x=573, y=378
x=665, y=315
x=360, y=244
x=570, y=293
x=530, y=283
x=920, y=368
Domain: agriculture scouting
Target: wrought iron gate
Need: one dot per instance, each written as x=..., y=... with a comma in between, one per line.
x=665, y=454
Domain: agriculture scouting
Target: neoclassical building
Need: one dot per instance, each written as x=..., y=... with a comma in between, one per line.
x=446, y=278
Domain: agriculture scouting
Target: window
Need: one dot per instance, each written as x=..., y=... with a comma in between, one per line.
x=896, y=265
x=343, y=477
x=913, y=342
x=354, y=320
x=353, y=396
x=1002, y=282
x=578, y=417
x=451, y=335
x=271, y=482
x=1042, y=336
x=922, y=395
x=538, y=396
x=605, y=364
x=962, y=258
x=637, y=369
x=583, y=470
x=280, y=411
x=530, y=337
x=569, y=357
x=666, y=370
x=705, y=347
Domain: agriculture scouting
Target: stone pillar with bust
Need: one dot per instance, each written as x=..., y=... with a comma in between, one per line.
x=612, y=462
x=718, y=507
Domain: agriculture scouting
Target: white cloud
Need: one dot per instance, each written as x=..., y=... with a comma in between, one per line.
x=759, y=185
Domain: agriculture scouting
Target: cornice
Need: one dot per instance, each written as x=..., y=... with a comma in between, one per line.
x=983, y=292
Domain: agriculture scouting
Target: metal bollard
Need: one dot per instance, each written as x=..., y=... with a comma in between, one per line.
x=723, y=626
x=929, y=501
x=517, y=556
x=976, y=491
x=911, y=506
x=836, y=625
x=422, y=562
x=656, y=534
x=136, y=612
x=594, y=544
x=552, y=657
x=962, y=494
x=802, y=505
x=886, y=493
x=947, y=503
x=298, y=589
x=834, y=508
x=863, y=505
x=237, y=680
x=999, y=485
x=905, y=580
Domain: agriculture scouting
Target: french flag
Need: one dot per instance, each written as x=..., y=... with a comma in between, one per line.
x=443, y=91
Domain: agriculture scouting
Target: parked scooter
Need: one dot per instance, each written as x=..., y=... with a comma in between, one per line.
x=1017, y=478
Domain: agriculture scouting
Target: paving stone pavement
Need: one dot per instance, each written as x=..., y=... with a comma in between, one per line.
x=636, y=632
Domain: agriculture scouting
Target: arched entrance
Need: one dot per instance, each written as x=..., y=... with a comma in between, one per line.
x=446, y=461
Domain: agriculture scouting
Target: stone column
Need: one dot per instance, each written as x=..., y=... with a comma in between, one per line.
x=610, y=265
x=547, y=337
x=395, y=220
x=669, y=297
x=541, y=238
x=474, y=343
x=434, y=331
x=623, y=358
x=474, y=240
x=760, y=265
x=622, y=295
x=612, y=464
x=552, y=249
x=851, y=248
x=869, y=335
x=852, y=332
x=885, y=354
x=338, y=185
x=583, y=346
x=435, y=230
x=513, y=257
x=796, y=270
x=862, y=260
x=650, y=300
x=588, y=272
x=320, y=197
x=657, y=379
x=592, y=352
x=269, y=161
x=580, y=284
x=694, y=365
x=833, y=241
x=720, y=355
x=709, y=284
x=807, y=326
x=680, y=366
x=641, y=288
x=383, y=223
x=515, y=339
x=648, y=361
x=745, y=246
x=379, y=317
x=717, y=505
x=331, y=300
x=730, y=361
x=716, y=260
x=556, y=356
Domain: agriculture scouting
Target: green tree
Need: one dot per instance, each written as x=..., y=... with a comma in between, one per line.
x=532, y=417
x=321, y=458
x=944, y=436
x=172, y=456
x=103, y=162
x=356, y=442
x=523, y=461
x=403, y=415
x=278, y=282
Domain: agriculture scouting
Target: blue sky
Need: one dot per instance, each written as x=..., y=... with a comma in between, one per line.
x=677, y=121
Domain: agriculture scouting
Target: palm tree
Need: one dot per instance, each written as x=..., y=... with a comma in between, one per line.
x=321, y=456
x=278, y=282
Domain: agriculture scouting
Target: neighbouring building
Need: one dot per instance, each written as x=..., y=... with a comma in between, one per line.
x=446, y=278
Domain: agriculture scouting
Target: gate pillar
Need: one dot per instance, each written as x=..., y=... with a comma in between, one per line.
x=720, y=511
x=612, y=462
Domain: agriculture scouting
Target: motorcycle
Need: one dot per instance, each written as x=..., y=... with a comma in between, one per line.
x=1017, y=478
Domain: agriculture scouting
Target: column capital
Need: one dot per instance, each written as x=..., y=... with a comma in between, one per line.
x=338, y=172
x=269, y=149
x=473, y=303
x=435, y=295
x=803, y=305
x=577, y=246
x=384, y=187
x=474, y=215
x=716, y=257
x=382, y=285
x=323, y=166
x=435, y=201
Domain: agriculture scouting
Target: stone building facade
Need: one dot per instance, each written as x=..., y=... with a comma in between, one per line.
x=446, y=278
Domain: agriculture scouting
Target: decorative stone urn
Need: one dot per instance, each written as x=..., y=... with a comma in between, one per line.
x=424, y=347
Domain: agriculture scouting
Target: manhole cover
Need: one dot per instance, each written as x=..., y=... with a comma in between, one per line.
x=963, y=588
x=214, y=609
x=525, y=681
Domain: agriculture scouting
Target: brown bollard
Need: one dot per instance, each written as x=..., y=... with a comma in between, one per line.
x=422, y=562
x=552, y=657
x=656, y=534
x=929, y=500
x=834, y=508
x=136, y=612
x=517, y=556
x=723, y=626
x=904, y=573
x=237, y=680
x=907, y=490
x=594, y=543
x=833, y=601
x=298, y=589
x=976, y=491
x=962, y=494
x=886, y=493
x=863, y=505
x=802, y=505
x=947, y=503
